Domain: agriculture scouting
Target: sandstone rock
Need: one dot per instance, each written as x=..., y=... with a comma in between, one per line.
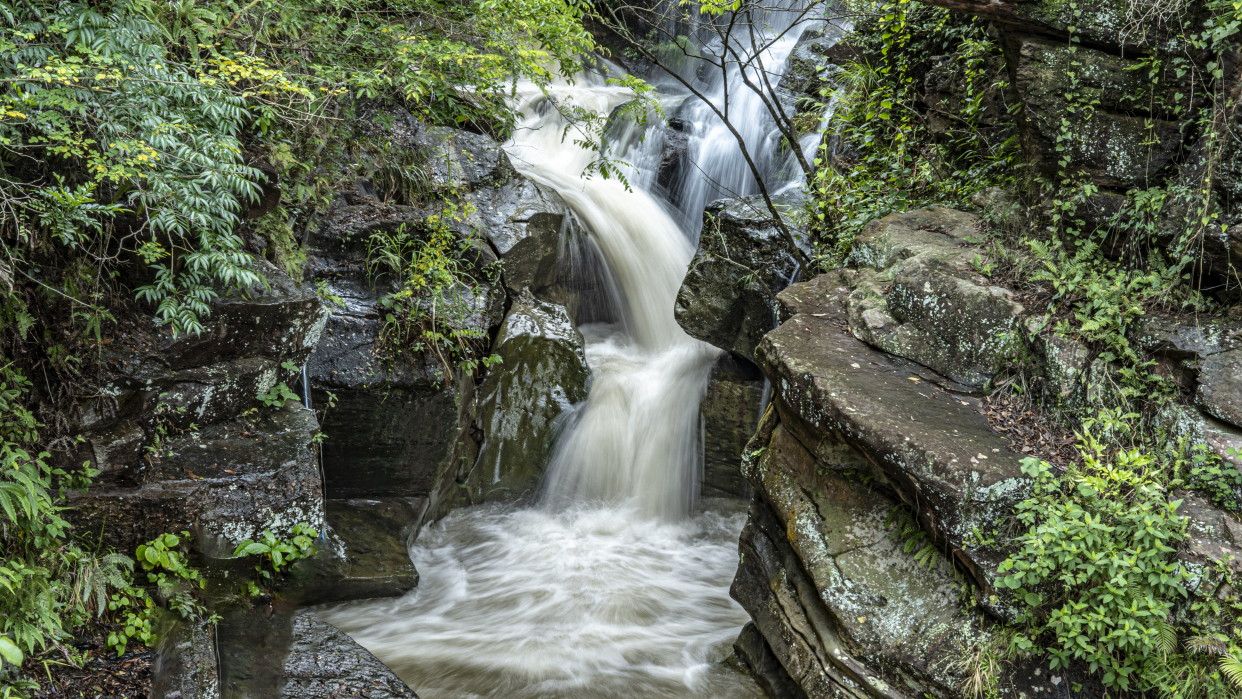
x=324, y=662
x=523, y=221
x=890, y=613
x=1062, y=365
x=185, y=664
x=376, y=535
x=155, y=383
x=858, y=406
x=728, y=296
x=1107, y=23
x=1220, y=386
x=729, y=414
x=279, y=321
x=392, y=430
x=764, y=666
x=1213, y=537
x=542, y=375
x=461, y=158
x=229, y=481
x=1117, y=149
x=918, y=296
x=1203, y=357
x=394, y=426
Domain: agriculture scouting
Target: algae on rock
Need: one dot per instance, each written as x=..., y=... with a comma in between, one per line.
x=543, y=373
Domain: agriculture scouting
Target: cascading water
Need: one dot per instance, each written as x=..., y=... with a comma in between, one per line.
x=608, y=589
x=612, y=586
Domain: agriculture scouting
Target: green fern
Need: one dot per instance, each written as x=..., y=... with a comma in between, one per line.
x=1231, y=667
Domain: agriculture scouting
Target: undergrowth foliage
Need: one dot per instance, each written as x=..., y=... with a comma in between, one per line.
x=129, y=128
x=884, y=153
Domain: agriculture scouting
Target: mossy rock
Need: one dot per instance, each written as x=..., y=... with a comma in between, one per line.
x=542, y=375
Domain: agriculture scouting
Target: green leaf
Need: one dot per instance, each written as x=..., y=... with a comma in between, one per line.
x=9, y=651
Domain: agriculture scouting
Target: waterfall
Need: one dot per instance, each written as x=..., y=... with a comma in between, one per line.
x=635, y=439
x=614, y=584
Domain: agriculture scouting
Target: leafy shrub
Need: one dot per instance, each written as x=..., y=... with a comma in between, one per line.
x=1097, y=567
x=882, y=156
x=438, y=306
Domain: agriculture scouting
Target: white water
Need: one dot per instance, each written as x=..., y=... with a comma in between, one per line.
x=609, y=588
x=582, y=603
x=612, y=586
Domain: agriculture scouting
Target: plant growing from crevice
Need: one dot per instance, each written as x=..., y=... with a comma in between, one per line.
x=275, y=554
x=439, y=305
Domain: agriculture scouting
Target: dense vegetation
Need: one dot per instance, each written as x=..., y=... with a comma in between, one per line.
x=135, y=138
x=1094, y=567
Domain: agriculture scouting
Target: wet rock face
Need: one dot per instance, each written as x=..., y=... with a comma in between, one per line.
x=917, y=295
x=392, y=429
x=324, y=662
x=395, y=427
x=157, y=383
x=728, y=297
x=1121, y=145
x=542, y=375
x=280, y=321
x=729, y=414
x=226, y=482
x=375, y=537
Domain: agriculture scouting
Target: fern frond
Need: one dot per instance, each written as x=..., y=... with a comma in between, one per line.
x=1231, y=667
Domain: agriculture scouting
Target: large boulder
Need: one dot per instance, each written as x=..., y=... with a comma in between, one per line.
x=918, y=295
x=543, y=373
x=876, y=481
x=893, y=422
x=324, y=662
x=728, y=297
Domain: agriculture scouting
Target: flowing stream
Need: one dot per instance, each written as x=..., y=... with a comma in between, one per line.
x=615, y=584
